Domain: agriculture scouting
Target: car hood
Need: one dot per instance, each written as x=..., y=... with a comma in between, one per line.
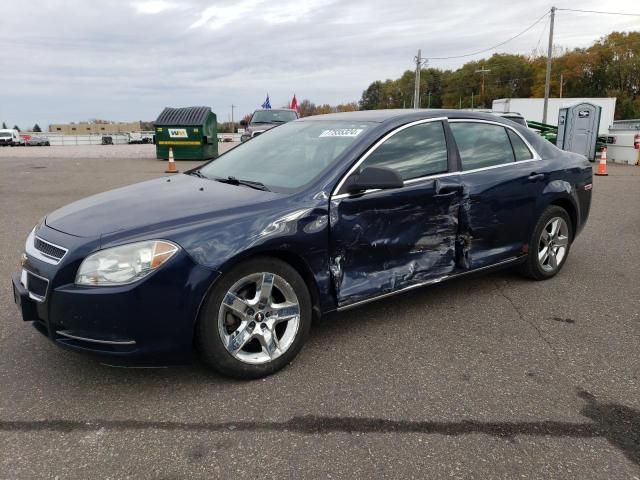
x=155, y=204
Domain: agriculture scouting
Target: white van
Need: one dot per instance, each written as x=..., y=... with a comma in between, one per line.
x=11, y=137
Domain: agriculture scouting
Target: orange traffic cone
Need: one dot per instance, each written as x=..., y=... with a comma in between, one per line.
x=171, y=166
x=602, y=166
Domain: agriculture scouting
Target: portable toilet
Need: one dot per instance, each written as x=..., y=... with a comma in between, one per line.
x=192, y=132
x=578, y=129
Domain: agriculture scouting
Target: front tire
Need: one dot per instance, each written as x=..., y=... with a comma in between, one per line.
x=549, y=245
x=255, y=320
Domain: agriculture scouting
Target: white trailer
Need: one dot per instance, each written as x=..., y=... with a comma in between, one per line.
x=532, y=108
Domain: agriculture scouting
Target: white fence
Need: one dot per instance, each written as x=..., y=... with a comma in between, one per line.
x=59, y=139
x=63, y=140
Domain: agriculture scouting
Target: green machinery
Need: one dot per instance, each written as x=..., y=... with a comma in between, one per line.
x=192, y=133
x=550, y=132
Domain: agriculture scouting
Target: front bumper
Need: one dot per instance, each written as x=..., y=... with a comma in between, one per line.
x=150, y=322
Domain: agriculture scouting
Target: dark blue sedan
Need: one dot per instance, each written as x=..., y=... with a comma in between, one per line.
x=235, y=258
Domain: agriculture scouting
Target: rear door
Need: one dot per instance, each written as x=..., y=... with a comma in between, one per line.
x=386, y=240
x=502, y=177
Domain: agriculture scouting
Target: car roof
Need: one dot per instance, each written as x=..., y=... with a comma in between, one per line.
x=382, y=116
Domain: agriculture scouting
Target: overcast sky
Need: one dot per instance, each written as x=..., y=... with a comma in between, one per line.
x=71, y=60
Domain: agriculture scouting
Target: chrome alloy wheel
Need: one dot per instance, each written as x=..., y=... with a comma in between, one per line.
x=259, y=318
x=553, y=243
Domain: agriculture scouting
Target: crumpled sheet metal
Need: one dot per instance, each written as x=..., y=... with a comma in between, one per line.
x=384, y=251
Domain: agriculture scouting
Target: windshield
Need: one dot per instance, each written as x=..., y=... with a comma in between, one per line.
x=273, y=116
x=5, y=134
x=287, y=157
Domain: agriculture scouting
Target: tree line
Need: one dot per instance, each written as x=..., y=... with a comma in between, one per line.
x=36, y=127
x=609, y=68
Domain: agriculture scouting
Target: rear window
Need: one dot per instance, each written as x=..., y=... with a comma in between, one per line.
x=520, y=150
x=482, y=145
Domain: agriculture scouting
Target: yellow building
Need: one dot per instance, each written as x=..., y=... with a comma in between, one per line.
x=86, y=128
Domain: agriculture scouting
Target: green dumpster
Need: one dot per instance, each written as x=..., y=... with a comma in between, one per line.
x=192, y=132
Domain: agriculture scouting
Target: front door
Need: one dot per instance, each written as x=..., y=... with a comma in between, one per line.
x=387, y=240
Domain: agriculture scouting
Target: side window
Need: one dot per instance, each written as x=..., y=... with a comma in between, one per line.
x=520, y=150
x=482, y=144
x=414, y=152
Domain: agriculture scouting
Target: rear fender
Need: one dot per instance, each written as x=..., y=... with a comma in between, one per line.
x=562, y=193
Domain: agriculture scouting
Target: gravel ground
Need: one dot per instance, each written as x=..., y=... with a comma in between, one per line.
x=90, y=151
x=486, y=377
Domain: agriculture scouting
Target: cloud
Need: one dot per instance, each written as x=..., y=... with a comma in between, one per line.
x=152, y=7
x=70, y=60
x=219, y=16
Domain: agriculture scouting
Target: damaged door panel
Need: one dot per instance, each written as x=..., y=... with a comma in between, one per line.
x=389, y=240
x=498, y=215
x=502, y=180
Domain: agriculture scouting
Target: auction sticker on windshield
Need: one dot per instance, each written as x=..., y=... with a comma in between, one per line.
x=342, y=132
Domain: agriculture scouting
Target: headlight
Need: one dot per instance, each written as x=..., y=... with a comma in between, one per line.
x=124, y=264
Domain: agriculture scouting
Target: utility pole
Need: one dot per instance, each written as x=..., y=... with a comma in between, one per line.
x=471, y=99
x=547, y=79
x=429, y=102
x=561, y=84
x=416, y=92
x=233, y=127
x=483, y=71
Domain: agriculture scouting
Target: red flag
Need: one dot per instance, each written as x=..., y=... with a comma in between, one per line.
x=294, y=104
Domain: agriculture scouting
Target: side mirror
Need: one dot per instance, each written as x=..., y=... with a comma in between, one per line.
x=375, y=178
x=243, y=123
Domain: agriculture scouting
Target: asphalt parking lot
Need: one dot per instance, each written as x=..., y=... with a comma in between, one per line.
x=488, y=377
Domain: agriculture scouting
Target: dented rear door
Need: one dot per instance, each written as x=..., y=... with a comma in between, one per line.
x=502, y=178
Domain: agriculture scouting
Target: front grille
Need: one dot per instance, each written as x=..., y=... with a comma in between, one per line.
x=49, y=249
x=37, y=285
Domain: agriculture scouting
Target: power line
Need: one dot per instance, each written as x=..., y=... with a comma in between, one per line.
x=599, y=12
x=495, y=46
x=544, y=29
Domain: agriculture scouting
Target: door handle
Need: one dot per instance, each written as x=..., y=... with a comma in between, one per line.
x=445, y=193
x=443, y=189
x=534, y=177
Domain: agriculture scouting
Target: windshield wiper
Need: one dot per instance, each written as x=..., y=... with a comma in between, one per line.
x=247, y=183
x=198, y=173
x=253, y=123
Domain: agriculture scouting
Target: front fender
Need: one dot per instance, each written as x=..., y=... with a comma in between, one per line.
x=301, y=232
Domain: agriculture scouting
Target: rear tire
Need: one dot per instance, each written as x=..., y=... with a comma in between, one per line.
x=255, y=320
x=549, y=244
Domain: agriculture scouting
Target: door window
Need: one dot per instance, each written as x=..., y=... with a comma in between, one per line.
x=482, y=145
x=414, y=152
x=520, y=150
